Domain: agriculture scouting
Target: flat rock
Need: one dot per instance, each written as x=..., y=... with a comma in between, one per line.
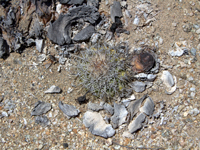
x=167, y=79
x=40, y=108
x=42, y=120
x=4, y=48
x=68, y=110
x=94, y=106
x=116, y=10
x=138, y=86
x=120, y=115
x=53, y=89
x=97, y=126
x=133, y=107
x=39, y=45
x=108, y=108
x=84, y=34
x=94, y=3
x=136, y=124
x=148, y=107
x=59, y=31
x=71, y=2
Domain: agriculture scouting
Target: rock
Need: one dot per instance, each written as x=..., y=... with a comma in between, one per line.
x=4, y=114
x=97, y=126
x=68, y=110
x=136, y=124
x=136, y=21
x=138, y=86
x=85, y=34
x=198, y=31
x=127, y=101
x=148, y=107
x=40, y=108
x=42, y=120
x=39, y=45
x=71, y=2
x=116, y=11
x=194, y=112
x=4, y=48
x=41, y=58
x=134, y=106
x=167, y=79
x=108, y=108
x=187, y=27
x=94, y=107
x=120, y=114
x=59, y=31
x=151, y=77
x=53, y=89
x=94, y=3
x=193, y=51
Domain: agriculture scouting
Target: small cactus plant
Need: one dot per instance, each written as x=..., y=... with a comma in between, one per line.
x=104, y=71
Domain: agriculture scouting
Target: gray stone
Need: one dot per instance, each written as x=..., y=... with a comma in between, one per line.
x=148, y=107
x=151, y=77
x=53, y=89
x=198, y=31
x=71, y=2
x=120, y=115
x=40, y=108
x=68, y=110
x=94, y=107
x=136, y=124
x=108, y=108
x=85, y=34
x=94, y=3
x=39, y=45
x=42, y=120
x=167, y=79
x=138, y=86
x=97, y=126
x=194, y=112
x=4, y=114
x=116, y=10
x=134, y=106
x=59, y=31
x=193, y=51
x=4, y=48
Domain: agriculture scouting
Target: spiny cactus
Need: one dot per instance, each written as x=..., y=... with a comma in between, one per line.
x=104, y=71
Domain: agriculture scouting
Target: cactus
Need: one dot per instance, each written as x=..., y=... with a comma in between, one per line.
x=104, y=71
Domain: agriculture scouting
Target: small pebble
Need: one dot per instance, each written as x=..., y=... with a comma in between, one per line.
x=193, y=51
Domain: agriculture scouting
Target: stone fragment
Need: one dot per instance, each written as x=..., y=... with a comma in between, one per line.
x=53, y=89
x=40, y=108
x=194, y=112
x=85, y=34
x=120, y=115
x=193, y=51
x=94, y=106
x=97, y=126
x=71, y=2
x=108, y=108
x=4, y=48
x=148, y=107
x=127, y=101
x=94, y=3
x=68, y=110
x=167, y=79
x=151, y=77
x=59, y=31
x=40, y=58
x=134, y=106
x=136, y=124
x=198, y=31
x=42, y=120
x=39, y=45
x=138, y=86
x=116, y=11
